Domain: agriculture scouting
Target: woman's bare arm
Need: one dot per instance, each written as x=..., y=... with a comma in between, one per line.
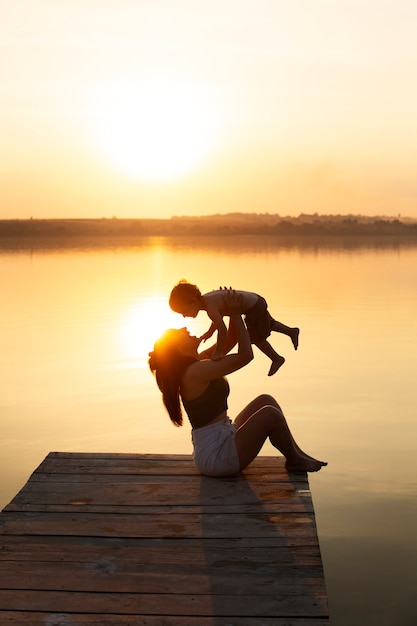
x=206, y=370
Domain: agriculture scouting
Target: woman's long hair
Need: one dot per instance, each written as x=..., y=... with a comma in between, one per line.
x=168, y=366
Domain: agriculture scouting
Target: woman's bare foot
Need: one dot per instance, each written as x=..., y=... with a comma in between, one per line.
x=305, y=465
x=295, y=332
x=275, y=365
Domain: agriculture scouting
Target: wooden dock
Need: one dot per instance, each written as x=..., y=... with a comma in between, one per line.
x=133, y=539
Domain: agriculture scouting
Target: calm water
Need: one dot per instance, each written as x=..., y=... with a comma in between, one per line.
x=76, y=326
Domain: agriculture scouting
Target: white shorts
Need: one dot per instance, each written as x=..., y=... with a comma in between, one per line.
x=215, y=452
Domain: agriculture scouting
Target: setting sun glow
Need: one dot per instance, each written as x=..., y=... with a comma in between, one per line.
x=157, y=130
x=142, y=325
x=152, y=110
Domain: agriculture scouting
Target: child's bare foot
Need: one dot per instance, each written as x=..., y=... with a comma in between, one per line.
x=294, y=337
x=305, y=465
x=275, y=365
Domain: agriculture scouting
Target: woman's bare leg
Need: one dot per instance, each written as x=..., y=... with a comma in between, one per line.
x=258, y=403
x=262, y=419
x=253, y=406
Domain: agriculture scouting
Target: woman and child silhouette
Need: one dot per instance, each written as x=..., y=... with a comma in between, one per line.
x=197, y=381
x=188, y=300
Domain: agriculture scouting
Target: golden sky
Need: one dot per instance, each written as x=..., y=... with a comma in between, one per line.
x=182, y=107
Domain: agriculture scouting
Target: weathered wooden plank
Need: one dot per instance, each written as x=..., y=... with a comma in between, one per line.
x=199, y=491
x=235, y=605
x=150, y=495
x=195, y=492
x=168, y=552
x=290, y=528
x=135, y=464
x=291, y=503
x=167, y=459
x=82, y=506
x=107, y=575
x=16, y=618
x=78, y=475
x=129, y=456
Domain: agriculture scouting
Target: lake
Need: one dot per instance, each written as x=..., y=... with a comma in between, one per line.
x=76, y=326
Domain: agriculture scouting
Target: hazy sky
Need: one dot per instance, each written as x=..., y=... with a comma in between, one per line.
x=135, y=108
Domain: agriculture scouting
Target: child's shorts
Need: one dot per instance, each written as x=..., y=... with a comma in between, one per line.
x=215, y=451
x=259, y=321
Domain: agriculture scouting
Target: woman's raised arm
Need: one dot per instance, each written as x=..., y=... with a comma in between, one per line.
x=207, y=369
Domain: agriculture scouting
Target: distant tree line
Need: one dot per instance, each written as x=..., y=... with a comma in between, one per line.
x=214, y=225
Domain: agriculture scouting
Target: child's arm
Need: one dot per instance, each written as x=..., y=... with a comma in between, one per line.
x=208, y=333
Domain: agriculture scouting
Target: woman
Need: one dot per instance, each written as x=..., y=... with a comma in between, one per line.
x=221, y=447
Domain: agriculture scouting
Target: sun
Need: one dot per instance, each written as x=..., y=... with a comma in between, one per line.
x=156, y=130
x=141, y=326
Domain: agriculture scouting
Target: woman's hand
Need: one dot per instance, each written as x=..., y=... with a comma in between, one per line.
x=233, y=301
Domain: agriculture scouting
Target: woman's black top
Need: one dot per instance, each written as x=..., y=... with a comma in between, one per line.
x=209, y=405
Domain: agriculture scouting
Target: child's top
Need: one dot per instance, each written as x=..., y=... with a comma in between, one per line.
x=215, y=301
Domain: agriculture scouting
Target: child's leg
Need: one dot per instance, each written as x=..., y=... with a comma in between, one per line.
x=293, y=333
x=277, y=359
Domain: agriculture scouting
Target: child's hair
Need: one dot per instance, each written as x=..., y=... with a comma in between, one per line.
x=182, y=294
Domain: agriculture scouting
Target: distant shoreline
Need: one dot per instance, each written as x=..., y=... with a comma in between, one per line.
x=232, y=224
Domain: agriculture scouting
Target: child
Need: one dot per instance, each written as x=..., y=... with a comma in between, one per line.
x=187, y=300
